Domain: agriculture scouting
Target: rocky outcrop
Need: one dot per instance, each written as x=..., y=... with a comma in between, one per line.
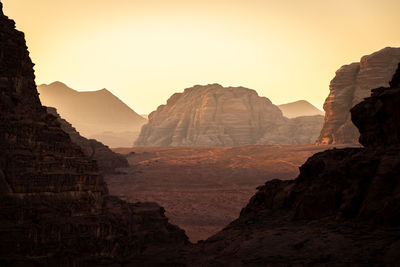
x=342, y=210
x=55, y=209
x=298, y=109
x=212, y=115
x=350, y=86
x=95, y=114
x=106, y=159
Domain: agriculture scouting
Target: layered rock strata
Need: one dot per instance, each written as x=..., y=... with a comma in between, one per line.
x=106, y=159
x=342, y=210
x=212, y=115
x=350, y=86
x=55, y=209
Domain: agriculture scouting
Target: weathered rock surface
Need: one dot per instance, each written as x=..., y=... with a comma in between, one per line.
x=96, y=114
x=299, y=108
x=350, y=86
x=212, y=115
x=342, y=210
x=107, y=160
x=55, y=209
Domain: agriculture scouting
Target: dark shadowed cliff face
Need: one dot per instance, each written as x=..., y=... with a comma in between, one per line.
x=350, y=86
x=213, y=115
x=106, y=159
x=342, y=210
x=54, y=205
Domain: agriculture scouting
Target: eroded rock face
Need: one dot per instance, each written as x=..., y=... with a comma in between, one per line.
x=106, y=159
x=54, y=205
x=350, y=86
x=212, y=115
x=343, y=209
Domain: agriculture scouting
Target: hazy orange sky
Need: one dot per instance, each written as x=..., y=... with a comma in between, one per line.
x=144, y=51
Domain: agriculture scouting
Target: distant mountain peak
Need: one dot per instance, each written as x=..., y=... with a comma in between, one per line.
x=57, y=83
x=299, y=108
x=93, y=112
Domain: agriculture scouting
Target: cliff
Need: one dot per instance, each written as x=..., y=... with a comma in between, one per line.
x=106, y=159
x=95, y=114
x=342, y=210
x=212, y=115
x=55, y=209
x=349, y=87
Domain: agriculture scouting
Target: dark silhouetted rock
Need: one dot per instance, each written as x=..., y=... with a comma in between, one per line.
x=106, y=159
x=212, y=115
x=350, y=86
x=55, y=209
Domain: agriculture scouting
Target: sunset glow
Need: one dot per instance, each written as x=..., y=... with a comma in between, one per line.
x=144, y=51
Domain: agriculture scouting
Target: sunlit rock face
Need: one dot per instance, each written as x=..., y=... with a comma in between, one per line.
x=350, y=86
x=213, y=115
x=55, y=209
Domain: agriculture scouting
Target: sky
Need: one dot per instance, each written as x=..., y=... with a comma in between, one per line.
x=143, y=51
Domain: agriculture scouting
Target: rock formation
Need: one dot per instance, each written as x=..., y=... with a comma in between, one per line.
x=299, y=108
x=350, y=86
x=96, y=114
x=342, y=210
x=54, y=206
x=212, y=115
x=106, y=159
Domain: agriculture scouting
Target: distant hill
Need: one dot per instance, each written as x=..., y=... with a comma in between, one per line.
x=299, y=108
x=146, y=116
x=93, y=113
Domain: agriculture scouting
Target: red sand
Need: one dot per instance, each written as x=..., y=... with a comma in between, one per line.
x=203, y=189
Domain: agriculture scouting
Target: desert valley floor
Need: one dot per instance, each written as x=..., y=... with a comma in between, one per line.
x=203, y=188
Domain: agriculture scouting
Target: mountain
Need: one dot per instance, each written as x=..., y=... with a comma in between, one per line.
x=93, y=113
x=55, y=209
x=299, y=108
x=349, y=87
x=213, y=115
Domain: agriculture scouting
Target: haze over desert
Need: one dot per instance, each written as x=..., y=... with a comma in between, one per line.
x=199, y=133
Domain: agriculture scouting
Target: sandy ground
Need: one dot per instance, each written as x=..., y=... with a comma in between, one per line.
x=203, y=189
